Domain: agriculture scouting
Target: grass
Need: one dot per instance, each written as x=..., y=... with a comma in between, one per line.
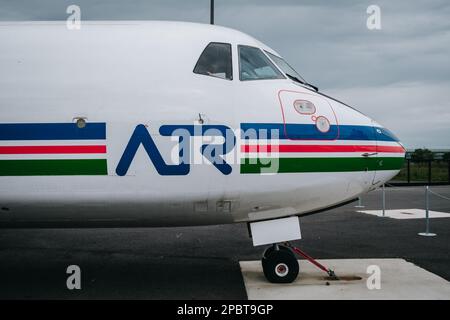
x=419, y=172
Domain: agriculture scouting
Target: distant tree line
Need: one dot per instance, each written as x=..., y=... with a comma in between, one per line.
x=423, y=155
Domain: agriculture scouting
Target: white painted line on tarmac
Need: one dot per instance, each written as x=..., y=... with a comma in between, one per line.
x=406, y=213
x=399, y=279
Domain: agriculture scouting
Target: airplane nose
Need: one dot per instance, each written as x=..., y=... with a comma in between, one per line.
x=390, y=154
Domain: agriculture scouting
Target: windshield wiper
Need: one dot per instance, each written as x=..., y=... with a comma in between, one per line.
x=302, y=82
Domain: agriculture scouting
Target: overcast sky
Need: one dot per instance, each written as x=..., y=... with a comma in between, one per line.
x=399, y=75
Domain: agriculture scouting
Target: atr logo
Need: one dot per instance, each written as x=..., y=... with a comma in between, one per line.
x=212, y=152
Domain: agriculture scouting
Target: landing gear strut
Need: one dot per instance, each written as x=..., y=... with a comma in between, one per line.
x=280, y=264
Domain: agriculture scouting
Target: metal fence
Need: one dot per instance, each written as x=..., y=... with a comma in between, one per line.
x=431, y=172
x=427, y=193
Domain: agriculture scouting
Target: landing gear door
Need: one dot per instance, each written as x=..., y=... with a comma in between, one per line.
x=307, y=116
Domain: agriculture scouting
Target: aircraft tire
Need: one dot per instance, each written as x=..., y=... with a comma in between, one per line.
x=280, y=266
x=270, y=249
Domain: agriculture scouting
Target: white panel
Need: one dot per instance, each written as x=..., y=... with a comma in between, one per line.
x=407, y=213
x=275, y=231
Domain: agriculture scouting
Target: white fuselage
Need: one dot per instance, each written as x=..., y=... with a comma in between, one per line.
x=127, y=75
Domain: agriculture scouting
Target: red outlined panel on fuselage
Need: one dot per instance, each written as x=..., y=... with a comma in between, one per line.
x=322, y=124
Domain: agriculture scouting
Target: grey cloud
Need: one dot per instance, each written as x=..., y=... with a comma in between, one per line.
x=105, y=10
x=418, y=113
x=333, y=47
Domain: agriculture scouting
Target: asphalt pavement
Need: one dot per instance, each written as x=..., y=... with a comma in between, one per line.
x=203, y=262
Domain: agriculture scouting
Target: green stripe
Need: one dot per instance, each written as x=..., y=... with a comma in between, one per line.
x=53, y=167
x=289, y=165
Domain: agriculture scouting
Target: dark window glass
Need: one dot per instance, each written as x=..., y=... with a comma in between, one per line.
x=215, y=61
x=254, y=65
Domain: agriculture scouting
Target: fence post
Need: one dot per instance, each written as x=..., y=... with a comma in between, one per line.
x=448, y=171
x=408, y=170
x=427, y=215
x=359, y=205
x=429, y=171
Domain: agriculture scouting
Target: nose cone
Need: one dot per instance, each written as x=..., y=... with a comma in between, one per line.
x=381, y=151
x=390, y=154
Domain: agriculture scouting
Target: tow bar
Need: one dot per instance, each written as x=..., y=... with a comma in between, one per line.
x=331, y=274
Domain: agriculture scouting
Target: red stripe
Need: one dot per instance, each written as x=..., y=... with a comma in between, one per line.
x=51, y=149
x=320, y=148
x=391, y=149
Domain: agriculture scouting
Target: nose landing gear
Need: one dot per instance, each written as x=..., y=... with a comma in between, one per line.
x=280, y=264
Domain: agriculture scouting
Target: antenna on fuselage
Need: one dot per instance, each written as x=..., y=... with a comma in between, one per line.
x=211, y=15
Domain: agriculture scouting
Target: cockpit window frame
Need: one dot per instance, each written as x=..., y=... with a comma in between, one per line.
x=283, y=76
x=231, y=61
x=270, y=54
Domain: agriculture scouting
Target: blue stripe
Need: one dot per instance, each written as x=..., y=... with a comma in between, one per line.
x=386, y=135
x=52, y=131
x=310, y=132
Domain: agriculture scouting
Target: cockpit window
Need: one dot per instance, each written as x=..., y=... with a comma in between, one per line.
x=254, y=65
x=284, y=66
x=215, y=61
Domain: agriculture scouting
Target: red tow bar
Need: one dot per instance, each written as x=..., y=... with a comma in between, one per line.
x=313, y=261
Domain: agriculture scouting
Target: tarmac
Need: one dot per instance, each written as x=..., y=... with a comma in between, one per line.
x=357, y=279
x=204, y=262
